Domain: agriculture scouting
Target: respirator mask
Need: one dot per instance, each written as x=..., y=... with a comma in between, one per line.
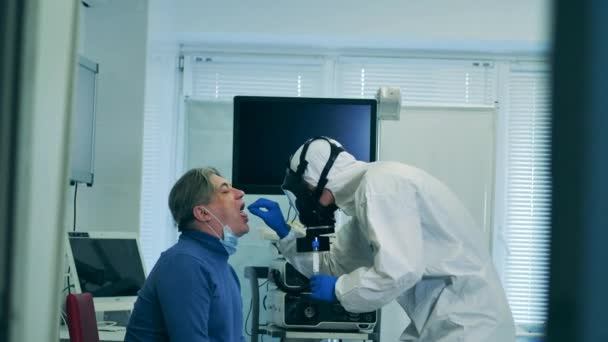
x=306, y=201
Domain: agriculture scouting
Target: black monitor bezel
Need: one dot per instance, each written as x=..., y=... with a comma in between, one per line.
x=99, y=236
x=264, y=189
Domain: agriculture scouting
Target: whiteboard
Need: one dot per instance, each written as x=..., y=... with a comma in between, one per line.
x=455, y=145
x=82, y=143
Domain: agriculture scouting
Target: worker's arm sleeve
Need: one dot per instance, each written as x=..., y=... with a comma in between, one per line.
x=185, y=298
x=393, y=226
x=347, y=252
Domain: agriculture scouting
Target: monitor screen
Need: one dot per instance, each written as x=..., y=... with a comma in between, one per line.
x=267, y=130
x=107, y=266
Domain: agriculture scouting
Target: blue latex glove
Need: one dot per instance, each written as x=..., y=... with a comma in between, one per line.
x=323, y=287
x=270, y=212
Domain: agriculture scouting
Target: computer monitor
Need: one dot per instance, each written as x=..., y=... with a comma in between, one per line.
x=109, y=265
x=267, y=130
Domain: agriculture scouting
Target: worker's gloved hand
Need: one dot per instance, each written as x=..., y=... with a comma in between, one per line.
x=323, y=287
x=270, y=212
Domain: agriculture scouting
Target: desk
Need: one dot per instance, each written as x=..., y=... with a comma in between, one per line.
x=64, y=335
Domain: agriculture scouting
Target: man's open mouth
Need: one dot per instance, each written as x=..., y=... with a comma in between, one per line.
x=242, y=210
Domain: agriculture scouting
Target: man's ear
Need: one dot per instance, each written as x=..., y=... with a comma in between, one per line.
x=201, y=214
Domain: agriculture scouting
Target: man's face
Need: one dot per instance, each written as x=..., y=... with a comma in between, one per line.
x=228, y=205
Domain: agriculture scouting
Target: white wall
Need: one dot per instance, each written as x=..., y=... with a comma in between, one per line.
x=114, y=34
x=463, y=25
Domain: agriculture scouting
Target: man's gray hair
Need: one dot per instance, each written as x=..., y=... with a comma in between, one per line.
x=192, y=189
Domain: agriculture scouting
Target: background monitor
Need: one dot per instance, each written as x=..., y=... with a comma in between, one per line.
x=108, y=265
x=267, y=130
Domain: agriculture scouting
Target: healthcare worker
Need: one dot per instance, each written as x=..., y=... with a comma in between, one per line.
x=409, y=239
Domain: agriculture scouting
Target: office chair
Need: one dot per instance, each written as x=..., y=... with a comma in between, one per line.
x=82, y=323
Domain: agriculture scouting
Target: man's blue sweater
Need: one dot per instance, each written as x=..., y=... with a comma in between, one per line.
x=192, y=294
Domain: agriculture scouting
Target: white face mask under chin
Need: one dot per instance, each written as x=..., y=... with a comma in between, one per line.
x=230, y=241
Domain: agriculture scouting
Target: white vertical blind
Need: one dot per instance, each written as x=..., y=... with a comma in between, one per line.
x=528, y=195
x=422, y=81
x=220, y=78
x=151, y=163
x=157, y=232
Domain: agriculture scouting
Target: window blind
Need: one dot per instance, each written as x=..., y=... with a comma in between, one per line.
x=220, y=78
x=150, y=209
x=156, y=232
x=528, y=195
x=422, y=81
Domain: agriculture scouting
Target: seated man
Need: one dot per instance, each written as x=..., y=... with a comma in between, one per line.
x=192, y=293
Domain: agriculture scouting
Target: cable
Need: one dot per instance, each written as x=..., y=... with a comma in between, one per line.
x=277, y=248
x=247, y=319
x=276, y=277
x=265, y=296
x=63, y=317
x=289, y=213
x=264, y=302
x=250, y=307
x=75, y=193
x=109, y=326
x=69, y=287
x=295, y=214
x=101, y=324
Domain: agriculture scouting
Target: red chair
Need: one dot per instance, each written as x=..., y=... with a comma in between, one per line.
x=82, y=323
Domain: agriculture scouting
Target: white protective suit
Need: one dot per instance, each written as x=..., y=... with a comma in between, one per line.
x=411, y=240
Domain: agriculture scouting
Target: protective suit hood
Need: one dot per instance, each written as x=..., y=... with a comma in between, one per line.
x=343, y=178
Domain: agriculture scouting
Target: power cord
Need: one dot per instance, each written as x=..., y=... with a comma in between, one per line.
x=264, y=302
x=295, y=215
x=289, y=214
x=265, y=296
x=250, y=307
x=109, y=326
x=70, y=286
x=276, y=277
x=63, y=316
x=247, y=319
x=101, y=324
